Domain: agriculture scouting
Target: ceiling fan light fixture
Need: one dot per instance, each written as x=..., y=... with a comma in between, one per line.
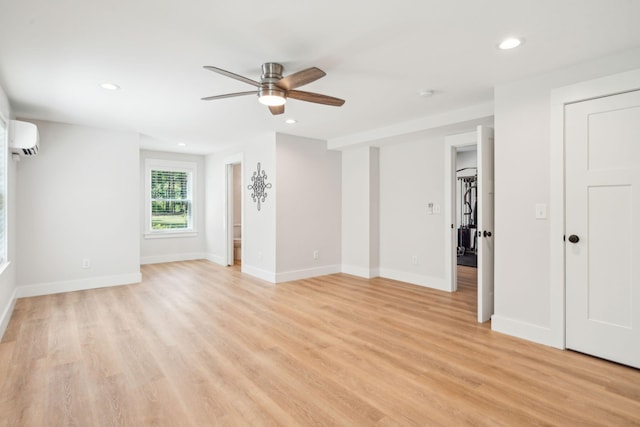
x=271, y=97
x=109, y=86
x=510, y=43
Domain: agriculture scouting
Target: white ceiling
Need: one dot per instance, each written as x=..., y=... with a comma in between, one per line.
x=377, y=56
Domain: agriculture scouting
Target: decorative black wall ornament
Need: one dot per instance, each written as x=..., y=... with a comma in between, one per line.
x=259, y=186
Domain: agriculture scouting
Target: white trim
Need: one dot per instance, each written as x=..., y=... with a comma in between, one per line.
x=415, y=279
x=269, y=276
x=38, y=289
x=170, y=234
x=451, y=144
x=173, y=166
x=524, y=330
x=220, y=260
x=288, y=276
x=606, y=86
x=4, y=266
x=7, y=312
x=367, y=273
x=158, y=259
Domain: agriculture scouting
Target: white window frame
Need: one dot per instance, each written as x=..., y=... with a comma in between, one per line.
x=171, y=166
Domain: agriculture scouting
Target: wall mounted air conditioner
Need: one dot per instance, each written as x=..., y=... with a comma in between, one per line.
x=23, y=138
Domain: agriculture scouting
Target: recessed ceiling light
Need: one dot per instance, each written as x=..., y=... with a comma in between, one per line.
x=290, y=121
x=181, y=144
x=510, y=43
x=109, y=86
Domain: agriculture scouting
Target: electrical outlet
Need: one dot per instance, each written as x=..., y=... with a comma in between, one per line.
x=414, y=260
x=86, y=263
x=259, y=255
x=316, y=254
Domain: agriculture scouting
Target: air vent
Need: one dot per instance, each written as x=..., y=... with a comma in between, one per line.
x=23, y=138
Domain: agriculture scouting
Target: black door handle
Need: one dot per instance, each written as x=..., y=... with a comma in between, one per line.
x=574, y=239
x=486, y=233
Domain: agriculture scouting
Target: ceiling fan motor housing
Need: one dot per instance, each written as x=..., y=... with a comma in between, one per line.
x=271, y=74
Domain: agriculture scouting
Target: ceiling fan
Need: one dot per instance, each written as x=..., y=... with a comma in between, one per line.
x=273, y=89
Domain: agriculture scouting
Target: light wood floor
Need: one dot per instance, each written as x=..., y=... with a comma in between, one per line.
x=196, y=344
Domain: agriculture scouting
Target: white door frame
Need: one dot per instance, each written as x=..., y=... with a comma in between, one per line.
x=606, y=86
x=450, y=260
x=228, y=202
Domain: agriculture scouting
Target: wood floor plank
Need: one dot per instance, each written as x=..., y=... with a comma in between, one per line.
x=198, y=344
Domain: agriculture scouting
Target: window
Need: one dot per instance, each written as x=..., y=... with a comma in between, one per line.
x=3, y=190
x=169, y=196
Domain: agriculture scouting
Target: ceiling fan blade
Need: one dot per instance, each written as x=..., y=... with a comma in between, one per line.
x=233, y=75
x=228, y=95
x=315, y=97
x=300, y=78
x=277, y=109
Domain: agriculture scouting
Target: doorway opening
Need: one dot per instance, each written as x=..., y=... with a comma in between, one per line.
x=466, y=197
x=234, y=211
x=466, y=205
x=237, y=214
x=469, y=217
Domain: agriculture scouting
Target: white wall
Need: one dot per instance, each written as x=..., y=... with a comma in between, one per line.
x=308, y=209
x=360, y=211
x=522, y=243
x=466, y=159
x=301, y=213
x=258, y=227
x=178, y=248
x=411, y=176
x=78, y=199
x=8, y=276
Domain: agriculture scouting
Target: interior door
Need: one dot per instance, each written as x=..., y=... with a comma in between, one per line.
x=602, y=250
x=485, y=223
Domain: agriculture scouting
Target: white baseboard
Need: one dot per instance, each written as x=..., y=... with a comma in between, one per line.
x=7, y=312
x=38, y=289
x=415, y=279
x=367, y=273
x=287, y=276
x=157, y=259
x=524, y=330
x=217, y=259
x=269, y=276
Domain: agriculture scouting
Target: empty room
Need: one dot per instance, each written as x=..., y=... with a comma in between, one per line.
x=319, y=213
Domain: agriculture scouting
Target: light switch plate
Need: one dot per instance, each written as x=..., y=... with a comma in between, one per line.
x=541, y=211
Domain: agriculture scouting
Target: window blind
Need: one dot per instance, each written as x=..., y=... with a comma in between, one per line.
x=170, y=200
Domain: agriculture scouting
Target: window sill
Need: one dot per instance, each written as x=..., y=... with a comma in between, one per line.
x=170, y=234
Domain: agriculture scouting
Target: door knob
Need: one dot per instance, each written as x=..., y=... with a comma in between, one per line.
x=486, y=233
x=574, y=239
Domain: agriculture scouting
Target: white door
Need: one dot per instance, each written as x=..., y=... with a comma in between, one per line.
x=485, y=223
x=602, y=143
